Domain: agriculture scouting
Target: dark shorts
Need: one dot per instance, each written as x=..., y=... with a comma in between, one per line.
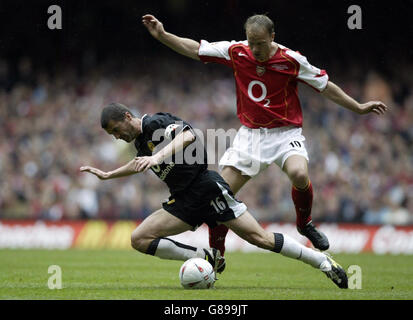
x=207, y=200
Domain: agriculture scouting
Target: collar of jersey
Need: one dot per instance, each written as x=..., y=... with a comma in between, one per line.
x=142, y=122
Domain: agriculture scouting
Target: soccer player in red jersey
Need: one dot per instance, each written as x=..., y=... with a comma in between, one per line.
x=266, y=75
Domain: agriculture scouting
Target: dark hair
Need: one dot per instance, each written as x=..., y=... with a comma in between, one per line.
x=113, y=111
x=260, y=20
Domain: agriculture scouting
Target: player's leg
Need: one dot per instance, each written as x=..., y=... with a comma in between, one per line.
x=234, y=177
x=296, y=168
x=233, y=213
x=236, y=181
x=150, y=237
x=238, y=164
x=248, y=228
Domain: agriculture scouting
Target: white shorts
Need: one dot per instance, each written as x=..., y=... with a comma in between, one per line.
x=253, y=150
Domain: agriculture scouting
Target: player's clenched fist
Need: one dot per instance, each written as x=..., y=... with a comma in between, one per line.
x=154, y=26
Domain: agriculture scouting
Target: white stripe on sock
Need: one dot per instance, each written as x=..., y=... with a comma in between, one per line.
x=169, y=250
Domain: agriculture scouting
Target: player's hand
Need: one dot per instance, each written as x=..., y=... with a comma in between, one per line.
x=144, y=163
x=377, y=107
x=97, y=172
x=154, y=26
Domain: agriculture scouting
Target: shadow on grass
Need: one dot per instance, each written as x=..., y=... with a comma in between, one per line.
x=175, y=287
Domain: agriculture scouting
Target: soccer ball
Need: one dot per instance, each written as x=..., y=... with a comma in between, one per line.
x=197, y=273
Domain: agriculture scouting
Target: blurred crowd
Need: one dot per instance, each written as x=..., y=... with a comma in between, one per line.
x=361, y=166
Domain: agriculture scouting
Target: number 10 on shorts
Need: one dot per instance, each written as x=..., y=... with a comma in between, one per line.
x=295, y=144
x=218, y=205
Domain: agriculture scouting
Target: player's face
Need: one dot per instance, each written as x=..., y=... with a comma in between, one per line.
x=122, y=130
x=260, y=42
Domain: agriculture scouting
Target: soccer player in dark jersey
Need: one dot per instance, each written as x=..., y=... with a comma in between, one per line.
x=266, y=75
x=198, y=195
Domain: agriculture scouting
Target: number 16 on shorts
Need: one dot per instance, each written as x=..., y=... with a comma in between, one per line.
x=218, y=205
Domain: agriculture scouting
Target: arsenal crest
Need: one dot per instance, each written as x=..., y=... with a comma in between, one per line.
x=260, y=70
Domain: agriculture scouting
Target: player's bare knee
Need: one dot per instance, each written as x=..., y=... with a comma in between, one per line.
x=140, y=242
x=134, y=241
x=299, y=177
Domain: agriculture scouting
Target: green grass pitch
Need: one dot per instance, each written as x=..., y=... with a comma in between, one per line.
x=126, y=274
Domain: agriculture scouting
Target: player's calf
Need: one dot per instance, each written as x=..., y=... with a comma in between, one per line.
x=246, y=227
x=166, y=248
x=261, y=239
x=303, y=202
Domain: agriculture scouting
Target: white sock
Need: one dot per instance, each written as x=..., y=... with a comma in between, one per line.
x=291, y=248
x=166, y=248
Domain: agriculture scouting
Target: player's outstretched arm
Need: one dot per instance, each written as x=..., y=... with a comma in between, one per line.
x=176, y=145
x=334, y=93
x=184, y=46
x=126, y=170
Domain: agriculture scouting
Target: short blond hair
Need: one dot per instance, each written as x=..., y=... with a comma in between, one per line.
x=261, y=20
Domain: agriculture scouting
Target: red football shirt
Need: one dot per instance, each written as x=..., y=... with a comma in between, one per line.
x=266, y=91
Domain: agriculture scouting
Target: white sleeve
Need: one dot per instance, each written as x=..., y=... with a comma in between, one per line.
x=218, y=52
x=313, y=76
x=215, y=49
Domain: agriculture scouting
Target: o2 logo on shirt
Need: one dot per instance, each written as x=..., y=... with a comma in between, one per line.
x=263, y=94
